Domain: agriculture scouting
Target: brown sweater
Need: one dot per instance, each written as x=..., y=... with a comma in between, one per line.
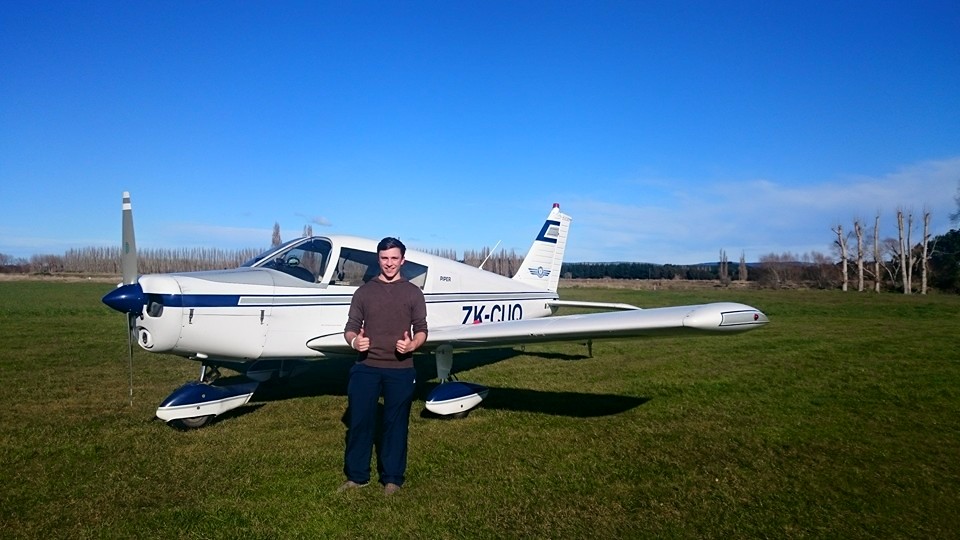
x=385, y=311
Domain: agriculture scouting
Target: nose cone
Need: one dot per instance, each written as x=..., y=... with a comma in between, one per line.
x=126, y=299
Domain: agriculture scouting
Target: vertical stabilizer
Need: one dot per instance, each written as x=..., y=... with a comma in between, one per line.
x=541, y=266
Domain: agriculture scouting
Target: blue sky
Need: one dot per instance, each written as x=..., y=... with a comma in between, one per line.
x=667, y=130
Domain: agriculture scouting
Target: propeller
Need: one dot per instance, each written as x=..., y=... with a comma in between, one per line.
x=128, y=267
x=128, y=298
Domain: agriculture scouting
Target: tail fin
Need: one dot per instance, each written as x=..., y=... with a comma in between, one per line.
x=541, y=266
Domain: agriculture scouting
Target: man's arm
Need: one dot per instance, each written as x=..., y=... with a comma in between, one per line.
x=353, y=332
x=418, y=321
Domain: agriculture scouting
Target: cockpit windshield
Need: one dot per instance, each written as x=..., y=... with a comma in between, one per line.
x=253, y=262
x=303, y=258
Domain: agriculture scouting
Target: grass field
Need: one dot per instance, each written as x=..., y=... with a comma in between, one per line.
x=841, y=419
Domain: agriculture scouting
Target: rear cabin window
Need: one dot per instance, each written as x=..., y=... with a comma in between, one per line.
x=356, y=267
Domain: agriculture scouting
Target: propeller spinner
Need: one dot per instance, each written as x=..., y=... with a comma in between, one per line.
x=128, y=297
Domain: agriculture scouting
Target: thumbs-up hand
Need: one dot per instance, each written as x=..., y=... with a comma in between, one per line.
x=406, y=344
x=361, y=342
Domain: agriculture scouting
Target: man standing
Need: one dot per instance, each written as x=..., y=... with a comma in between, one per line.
x=386, y=323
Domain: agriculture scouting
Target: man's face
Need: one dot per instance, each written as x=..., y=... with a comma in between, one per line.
x=390, y=262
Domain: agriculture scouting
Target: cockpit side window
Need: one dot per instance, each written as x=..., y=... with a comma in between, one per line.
x=355, y=267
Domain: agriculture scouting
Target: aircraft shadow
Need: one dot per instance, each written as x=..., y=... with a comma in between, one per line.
x=311, y=378
x=328, y=377
x=571, y=404
x=464, y=361
x=555, y=356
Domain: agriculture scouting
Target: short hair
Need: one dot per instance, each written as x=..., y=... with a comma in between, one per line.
x=390, y=243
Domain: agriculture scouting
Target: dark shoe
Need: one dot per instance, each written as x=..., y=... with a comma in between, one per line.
x=390, y=488
x=350, y=484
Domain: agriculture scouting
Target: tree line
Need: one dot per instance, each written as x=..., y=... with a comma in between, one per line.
x=774, y=270
x=861, y=261
x=106, y=261
x=633, y=270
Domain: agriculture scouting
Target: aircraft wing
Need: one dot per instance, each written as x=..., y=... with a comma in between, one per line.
x=678, y=320
x=719, y=317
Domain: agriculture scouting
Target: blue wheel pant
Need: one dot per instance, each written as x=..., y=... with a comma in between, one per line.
x=364, y=389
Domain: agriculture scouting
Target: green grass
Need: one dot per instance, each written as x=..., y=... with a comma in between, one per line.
x=840, y=419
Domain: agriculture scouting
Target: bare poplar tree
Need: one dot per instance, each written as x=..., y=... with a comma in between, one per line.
x=743, y=266
x=308, y=230
x=842, y=243
x=275, y=240
x=902, y=252
x=724, y=267
x=876, y=253
x=925, y=259
x=858, y=230
x=910, y=255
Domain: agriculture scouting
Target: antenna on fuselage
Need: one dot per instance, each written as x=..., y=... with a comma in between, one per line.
x=489, y=254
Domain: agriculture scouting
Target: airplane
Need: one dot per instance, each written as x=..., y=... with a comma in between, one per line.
x=290, y=303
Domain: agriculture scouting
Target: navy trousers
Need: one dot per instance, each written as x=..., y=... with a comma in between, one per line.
x=364, y=389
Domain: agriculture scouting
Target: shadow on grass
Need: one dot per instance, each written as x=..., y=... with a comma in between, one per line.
x=308, y=378
x=571, y=404
x=328, y=377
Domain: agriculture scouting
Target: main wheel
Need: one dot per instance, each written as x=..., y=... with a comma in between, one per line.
x=194, y=422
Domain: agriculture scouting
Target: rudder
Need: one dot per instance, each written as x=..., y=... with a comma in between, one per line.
x=541, y=267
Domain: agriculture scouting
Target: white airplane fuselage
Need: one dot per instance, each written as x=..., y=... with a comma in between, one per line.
x=292, y=302
x=257, y=312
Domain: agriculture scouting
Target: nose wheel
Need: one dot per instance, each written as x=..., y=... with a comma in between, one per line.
x=195, y=422
x=208, y=374
x=194, y=404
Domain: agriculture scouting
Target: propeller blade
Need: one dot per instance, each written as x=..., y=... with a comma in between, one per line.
x=128, y=261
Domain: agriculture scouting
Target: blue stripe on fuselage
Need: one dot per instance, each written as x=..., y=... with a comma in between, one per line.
x=246, y=300
x=197, y=300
